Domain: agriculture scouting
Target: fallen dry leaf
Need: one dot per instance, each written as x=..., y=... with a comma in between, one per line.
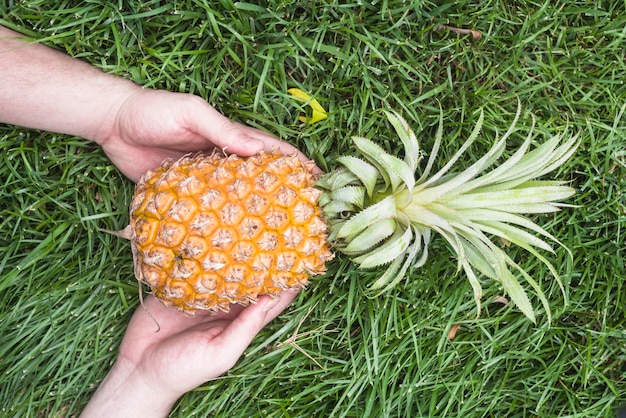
x=476, y=35
x=453, y=330
x=501, y=299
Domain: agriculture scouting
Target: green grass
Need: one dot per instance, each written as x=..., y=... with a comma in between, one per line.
x=67, y=290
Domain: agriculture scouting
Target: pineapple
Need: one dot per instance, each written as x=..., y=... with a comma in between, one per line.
x=208, y=231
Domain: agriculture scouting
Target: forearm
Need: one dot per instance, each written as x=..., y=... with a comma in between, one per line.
x=123, y=394
x=45, y=89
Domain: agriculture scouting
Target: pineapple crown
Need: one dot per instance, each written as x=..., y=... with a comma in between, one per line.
x=380, y=213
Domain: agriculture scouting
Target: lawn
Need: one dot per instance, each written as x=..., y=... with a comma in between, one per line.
x=67, y=289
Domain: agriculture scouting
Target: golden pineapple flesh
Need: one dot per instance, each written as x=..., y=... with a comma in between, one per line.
x=209, y=231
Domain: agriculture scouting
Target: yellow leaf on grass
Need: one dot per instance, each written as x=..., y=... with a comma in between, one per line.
x=318, y=112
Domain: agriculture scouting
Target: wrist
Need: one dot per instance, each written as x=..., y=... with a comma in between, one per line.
x=107, y=128
x=45, y=89
x=125, y=392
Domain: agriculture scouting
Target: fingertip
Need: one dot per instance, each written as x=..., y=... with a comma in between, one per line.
x=269, y=302
x=290, y=294
x=253, y=318
x=272, y=305
x=253, y=145
x=244, y=146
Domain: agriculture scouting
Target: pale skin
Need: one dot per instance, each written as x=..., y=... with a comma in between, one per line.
x=154, y=369
x=138, y=128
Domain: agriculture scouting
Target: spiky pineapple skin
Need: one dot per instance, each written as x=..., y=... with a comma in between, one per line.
x=210, y=231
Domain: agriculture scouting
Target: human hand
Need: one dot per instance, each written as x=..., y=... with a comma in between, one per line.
x=154, y=369
x=138, y=128
x=152, y=125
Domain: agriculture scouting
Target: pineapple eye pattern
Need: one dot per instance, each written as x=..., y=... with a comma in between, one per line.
x=227, y=225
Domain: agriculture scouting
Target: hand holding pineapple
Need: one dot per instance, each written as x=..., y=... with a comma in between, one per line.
x=138, y=128
x=153, y=125
x=154, y=369
x=43, y=89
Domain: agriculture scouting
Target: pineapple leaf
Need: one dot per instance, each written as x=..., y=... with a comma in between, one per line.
x=467, y=208
x=561, y=154
x=542, y=160
x=333, y=208
x=524, y=195
x=354, y=195
x=394, y=247
x=384, y=209
x=478, y=255
x=550, y=267
x=531, y=207
x=515, y=290
x=454, y=184
x=540, y=294
x=514, y=184
x=469, y=141
x=492, y=262
x=406, y=135
x=386, y=176
x=434, y=151
x=337, y=179
x=496, y=175
x=398, y=171
x=479, y=215
x=367, y=173
x=469, y=221
x=428, y=216
x=477, y=288
x=392, y=277
x=532, y=164
x=392, y=273
x=513, y=234
x=372, y=235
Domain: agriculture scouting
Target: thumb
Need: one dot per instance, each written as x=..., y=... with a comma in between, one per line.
x=224, y=133
x=242, y=330
x=231, y=138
